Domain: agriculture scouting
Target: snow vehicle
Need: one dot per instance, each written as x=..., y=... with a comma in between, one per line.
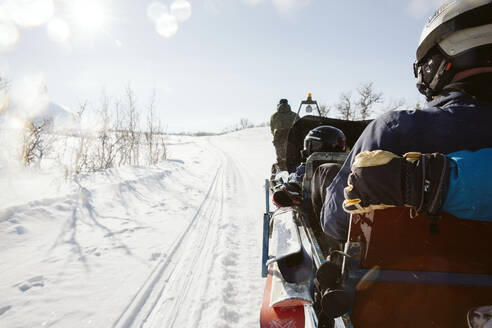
x=292, y=253
x=399, y=273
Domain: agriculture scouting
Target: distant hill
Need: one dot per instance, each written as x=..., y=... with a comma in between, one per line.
x=61, y=117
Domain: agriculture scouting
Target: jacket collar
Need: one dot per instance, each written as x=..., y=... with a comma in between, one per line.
x=450, y=96
x=475, y=89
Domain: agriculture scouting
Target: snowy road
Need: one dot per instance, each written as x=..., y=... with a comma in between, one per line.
x=177, y=245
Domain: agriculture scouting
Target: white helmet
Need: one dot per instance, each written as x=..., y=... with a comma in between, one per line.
x=456, y=38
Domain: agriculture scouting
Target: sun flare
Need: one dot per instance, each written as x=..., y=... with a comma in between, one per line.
x=91, y=16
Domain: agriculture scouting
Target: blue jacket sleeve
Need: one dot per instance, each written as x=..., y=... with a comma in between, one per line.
x=470, y=183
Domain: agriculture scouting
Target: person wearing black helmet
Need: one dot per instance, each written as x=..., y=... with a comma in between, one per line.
x=280, y=124
x=454, y=71
x=323, y=138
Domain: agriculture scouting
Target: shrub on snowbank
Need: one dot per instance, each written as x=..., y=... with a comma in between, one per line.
x=111, y=134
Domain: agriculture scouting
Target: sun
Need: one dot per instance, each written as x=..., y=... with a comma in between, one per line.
x=90, y=16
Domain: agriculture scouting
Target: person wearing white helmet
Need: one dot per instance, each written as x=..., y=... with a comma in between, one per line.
x=454, y=71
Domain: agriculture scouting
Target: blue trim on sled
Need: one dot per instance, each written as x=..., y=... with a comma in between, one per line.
x=266, y=231
x=267, y=196
x=355, y=273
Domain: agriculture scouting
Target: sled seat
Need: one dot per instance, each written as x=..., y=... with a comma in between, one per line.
x=312, y=163
x=401, y=275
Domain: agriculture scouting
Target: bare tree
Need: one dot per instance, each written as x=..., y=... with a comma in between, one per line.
x=34, y=146
x=156, y=146
x=119, y=141
x=109, y=138
x=4, y=83
x=81, y=156
x=104, y=139
x=325, y=110
x=367, y=98
x=160, y=150
x=244, y=123
x=345, y=106
x=120, y=132
x=132, y=134
x=163, y=152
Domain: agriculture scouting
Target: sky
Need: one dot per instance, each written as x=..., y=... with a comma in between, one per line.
x=212, y=62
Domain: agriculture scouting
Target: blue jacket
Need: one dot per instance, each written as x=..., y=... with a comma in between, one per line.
x=469, y=187
x=455, y=121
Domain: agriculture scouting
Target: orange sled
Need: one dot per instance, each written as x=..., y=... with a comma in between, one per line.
x=291, y=315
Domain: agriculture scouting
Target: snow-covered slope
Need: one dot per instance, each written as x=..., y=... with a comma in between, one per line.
x=175, y=245
x=60, y=116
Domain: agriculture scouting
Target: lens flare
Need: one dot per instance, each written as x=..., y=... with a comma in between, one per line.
x=4, y=16
x=28, y=13
x=58, y=30
x=4, y=100
x=369, y=278
x=89, y=15
x=4, y=71
x=29, y=95
x=156, y=10
x=167, y=25
x=9, y=35
x=15, y=123
x=181, y=9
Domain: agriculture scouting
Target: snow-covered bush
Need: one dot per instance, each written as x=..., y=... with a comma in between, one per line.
x=119, y=138
x=96, y=137
x=36, y=142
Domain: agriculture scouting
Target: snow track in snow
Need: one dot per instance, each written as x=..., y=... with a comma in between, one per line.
x=173, y=276
x=176, y=245
x=207, y=280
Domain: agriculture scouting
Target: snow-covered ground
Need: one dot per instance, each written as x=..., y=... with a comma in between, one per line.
x=174, y=245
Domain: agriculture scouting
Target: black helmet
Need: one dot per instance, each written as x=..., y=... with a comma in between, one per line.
x=324, y=138
x=456, y=38
x=283, y=101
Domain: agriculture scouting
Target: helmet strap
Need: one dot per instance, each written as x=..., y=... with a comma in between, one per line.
x=443, y=76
